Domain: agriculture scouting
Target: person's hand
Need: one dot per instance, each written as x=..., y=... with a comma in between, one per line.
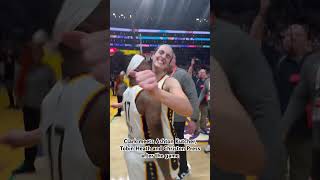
x=13, y=138
x=264, y=6
x=116, y=105
x=93, y=46
x=193, y=61
x=169, y=178
x=94, y=49
x=147, y=80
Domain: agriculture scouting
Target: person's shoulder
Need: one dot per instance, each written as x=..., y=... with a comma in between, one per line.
x=232, y=31
x=171, y=80
x=126, y=91
x=182, y=73
x=180, y=70
x=312, y=59
x=230, y=38
x=311, y=62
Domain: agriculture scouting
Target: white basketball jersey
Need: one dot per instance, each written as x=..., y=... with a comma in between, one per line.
x=133, y=117
x=167, y=117
x=137, y=128
x=63, y=109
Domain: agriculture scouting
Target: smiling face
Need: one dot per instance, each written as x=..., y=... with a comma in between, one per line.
x=162, y=57
x=202, y=74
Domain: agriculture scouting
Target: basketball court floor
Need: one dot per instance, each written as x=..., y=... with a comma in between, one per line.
x=12, y=158
x=9, y=119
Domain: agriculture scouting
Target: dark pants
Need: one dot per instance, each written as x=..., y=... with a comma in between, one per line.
x=179, y=128
x=31, y=118
x=316, y=165
x=202, y=122
x=113, y=92
x=300, y=158
x=119, y=101
x=9, y=87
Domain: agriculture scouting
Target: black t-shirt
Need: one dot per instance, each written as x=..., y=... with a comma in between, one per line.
x=9, y=68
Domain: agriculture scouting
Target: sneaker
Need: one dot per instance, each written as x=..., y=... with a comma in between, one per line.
x=205, y=131
x=117, y=115
x=24, y=168
x=195, y=135
x=207, y=149
x=189, y=167
x=182, y=175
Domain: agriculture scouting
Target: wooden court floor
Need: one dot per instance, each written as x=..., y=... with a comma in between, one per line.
x=9, y=119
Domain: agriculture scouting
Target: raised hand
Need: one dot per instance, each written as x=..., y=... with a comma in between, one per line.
x=94, y=50
x=146, y=79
